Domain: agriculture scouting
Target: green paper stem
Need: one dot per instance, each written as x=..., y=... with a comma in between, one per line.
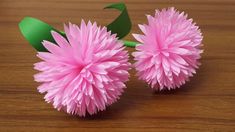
x=130, y=43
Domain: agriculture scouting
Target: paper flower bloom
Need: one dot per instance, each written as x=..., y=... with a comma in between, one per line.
x=169, y=50
x=85, y=72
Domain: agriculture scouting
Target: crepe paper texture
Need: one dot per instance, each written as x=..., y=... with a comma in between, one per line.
x=169, y=49
x=85, y=73
x=35, y=31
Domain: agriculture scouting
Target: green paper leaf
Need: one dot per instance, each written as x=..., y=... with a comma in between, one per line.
x=122, y=24
x=35, y=31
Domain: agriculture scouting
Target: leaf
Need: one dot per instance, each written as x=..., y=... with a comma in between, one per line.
x=122, y=24
x=35, y=31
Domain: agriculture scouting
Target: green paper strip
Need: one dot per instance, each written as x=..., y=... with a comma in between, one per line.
x=122, y=24
x=130, y=43
x=35, y=31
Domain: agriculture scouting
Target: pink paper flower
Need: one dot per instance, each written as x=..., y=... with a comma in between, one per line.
x=169, y=50
x=84, y=74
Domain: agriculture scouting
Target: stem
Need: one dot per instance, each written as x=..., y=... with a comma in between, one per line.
x=130, y=43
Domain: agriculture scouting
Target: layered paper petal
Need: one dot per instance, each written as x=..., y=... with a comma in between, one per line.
x=84, y=72
x=169, y=49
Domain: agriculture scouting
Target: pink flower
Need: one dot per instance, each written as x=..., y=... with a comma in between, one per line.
x=84, y=73
x=169, y=50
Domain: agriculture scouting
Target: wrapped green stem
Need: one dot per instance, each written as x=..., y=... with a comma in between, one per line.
x=129, y=43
